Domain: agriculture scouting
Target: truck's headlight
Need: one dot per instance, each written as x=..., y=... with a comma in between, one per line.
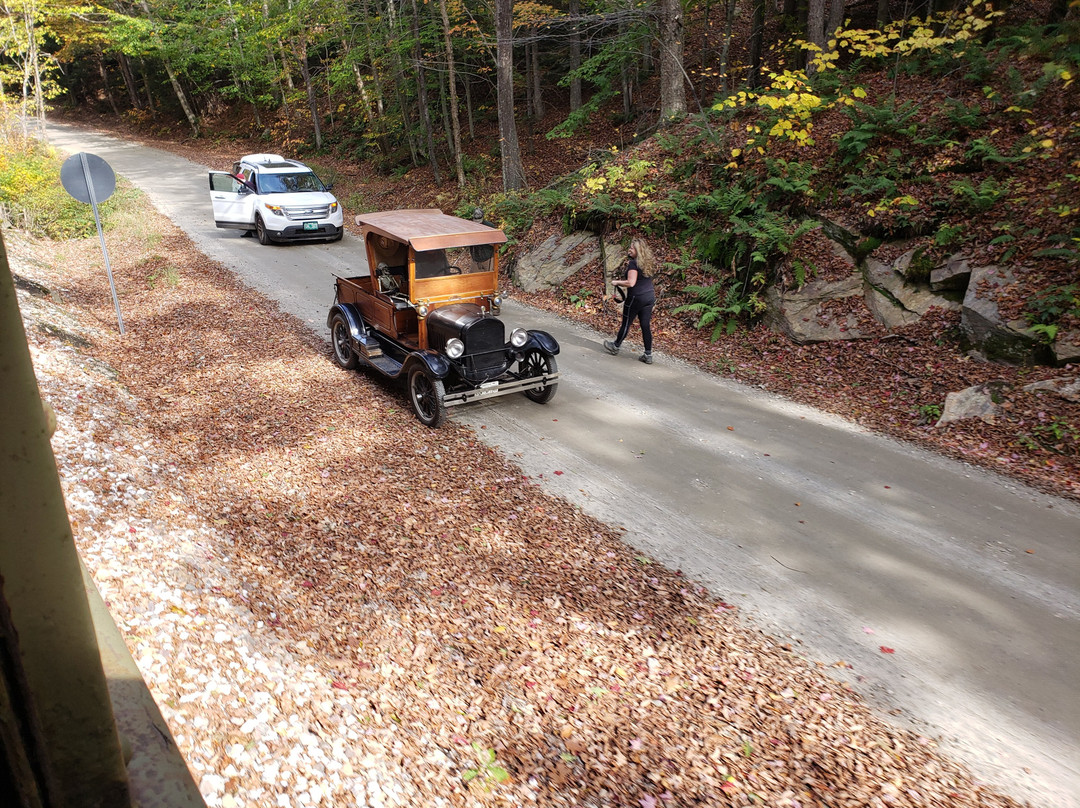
x=518, y=337
x=421, y=310
x=455, y=348
x=496, y=304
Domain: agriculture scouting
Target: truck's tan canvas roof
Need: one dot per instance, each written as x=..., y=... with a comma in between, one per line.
x=429, y=229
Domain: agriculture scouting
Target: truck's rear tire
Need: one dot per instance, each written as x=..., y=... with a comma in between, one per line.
x=344, y=355
x=428, y=397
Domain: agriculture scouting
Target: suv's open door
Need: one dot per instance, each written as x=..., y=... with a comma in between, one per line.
x=234, y=203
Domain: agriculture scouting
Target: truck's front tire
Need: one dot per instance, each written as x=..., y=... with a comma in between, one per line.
x=428, y=397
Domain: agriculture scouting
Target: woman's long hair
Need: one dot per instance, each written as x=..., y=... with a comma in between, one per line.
x=645, y=260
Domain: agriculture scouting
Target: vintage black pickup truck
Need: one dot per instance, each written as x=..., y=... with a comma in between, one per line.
x=429, y=313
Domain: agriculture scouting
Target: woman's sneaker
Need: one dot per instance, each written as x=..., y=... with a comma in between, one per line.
x=646, y=358
x=611, y=347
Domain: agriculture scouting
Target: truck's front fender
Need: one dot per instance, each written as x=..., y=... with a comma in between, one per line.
x=542, y=341
x=434, y=362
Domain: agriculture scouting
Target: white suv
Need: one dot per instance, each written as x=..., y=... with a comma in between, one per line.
x=278, y=199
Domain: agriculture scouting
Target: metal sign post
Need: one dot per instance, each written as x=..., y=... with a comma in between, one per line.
x=90, y=179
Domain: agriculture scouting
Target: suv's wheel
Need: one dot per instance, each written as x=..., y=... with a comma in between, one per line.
x=344, y=355
x=260, y=230
x=428, y=397
x=535, y=363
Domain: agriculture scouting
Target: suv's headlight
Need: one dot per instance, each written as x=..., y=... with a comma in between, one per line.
x=275, y=209
x=333, y=207
x=518, y=337
x=455, y=348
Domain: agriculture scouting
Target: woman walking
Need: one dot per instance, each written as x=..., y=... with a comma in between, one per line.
x=640, y=297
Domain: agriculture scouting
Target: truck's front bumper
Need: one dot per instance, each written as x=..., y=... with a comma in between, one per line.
x=499, y=387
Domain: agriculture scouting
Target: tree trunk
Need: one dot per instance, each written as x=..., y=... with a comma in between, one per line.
x=468, y=103
x=757, y=36
x=815, y=29
x=455, y=121
x=672, y=86
x=146, y=87
x=538, y=98
x=129, y=81
x=575, y=56
x=836, y=18
x=513, y=172
x=421, y=84
x=105, y=83
x=180, y=95
x=313, y=105
x=883, y=16
x=727, y=86
x=1059, y=9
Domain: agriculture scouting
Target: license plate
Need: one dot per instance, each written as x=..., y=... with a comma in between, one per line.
x=311, y=225
x=488, y=388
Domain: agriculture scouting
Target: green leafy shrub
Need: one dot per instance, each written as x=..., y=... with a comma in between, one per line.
x=1049, y=306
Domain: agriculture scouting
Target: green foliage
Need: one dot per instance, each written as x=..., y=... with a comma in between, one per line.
x=980, y=198
x=928, y=413
x=720, y=306
x=579, y=298
x=487, y=770
x=948, y=235
x=872, y=124
x=1050, y=305
x=1068, y=247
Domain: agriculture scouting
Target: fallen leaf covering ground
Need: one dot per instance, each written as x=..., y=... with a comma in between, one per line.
x=336, y=606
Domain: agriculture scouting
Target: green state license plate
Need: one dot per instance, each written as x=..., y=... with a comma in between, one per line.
x=311, y=225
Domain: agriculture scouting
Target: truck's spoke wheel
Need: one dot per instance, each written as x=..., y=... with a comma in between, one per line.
x=535, y=363
x=428, y=396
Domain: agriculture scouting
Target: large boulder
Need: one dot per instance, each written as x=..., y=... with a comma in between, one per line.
x=556, y=259
x=1067, y=387
x=954, y=275
x=894, y=298
x=989, y=332
x=820, y=311
x=980, y=401
x=1065, y=348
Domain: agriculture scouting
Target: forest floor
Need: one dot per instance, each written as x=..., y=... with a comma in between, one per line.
x=895, y=384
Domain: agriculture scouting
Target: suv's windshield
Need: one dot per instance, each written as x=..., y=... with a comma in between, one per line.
x=289, y=183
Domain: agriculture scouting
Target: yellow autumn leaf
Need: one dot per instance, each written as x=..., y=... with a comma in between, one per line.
x=500, y=629
x=1046, y=144
x=622, y=674
x=859, y=92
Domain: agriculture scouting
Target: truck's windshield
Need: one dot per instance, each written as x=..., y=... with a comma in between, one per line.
x=454, y=261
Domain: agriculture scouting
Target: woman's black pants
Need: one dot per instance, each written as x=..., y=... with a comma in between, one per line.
x=634, y=309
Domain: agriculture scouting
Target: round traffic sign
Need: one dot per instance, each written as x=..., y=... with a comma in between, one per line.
x=84, y=171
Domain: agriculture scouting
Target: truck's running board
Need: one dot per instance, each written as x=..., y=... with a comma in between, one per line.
x=499, y=388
